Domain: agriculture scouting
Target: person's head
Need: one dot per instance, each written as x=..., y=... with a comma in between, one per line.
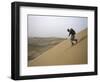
x=68, y=30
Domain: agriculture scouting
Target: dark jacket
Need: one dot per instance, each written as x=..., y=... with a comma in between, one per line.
x=71, y=32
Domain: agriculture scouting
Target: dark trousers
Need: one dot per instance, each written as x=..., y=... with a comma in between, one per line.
x=73, y=39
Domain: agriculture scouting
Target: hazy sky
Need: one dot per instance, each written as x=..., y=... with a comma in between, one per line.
x=54, y=26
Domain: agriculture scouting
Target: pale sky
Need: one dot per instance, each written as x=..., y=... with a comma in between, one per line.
x=54, y=26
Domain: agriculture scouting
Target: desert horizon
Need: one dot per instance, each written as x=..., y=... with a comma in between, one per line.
x=37, y=45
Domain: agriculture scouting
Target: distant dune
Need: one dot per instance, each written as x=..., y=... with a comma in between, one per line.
x=64, y=54
x=38, y=45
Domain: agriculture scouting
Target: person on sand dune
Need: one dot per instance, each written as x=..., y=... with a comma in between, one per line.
x=72, y=33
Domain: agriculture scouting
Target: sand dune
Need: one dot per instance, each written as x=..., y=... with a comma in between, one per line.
x=38, y=45
x=64, y=53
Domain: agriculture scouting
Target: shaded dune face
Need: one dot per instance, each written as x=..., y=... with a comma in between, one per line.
x=37, y=46
x=64, y=53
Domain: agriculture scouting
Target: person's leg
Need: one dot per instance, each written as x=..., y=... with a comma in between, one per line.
x=72, y=39
x=72, y=42
x=75, y=40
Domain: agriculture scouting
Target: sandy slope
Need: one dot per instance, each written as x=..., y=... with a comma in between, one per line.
x=64, y=53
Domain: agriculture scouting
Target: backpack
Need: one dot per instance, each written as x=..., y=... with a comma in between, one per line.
x=73, y=32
